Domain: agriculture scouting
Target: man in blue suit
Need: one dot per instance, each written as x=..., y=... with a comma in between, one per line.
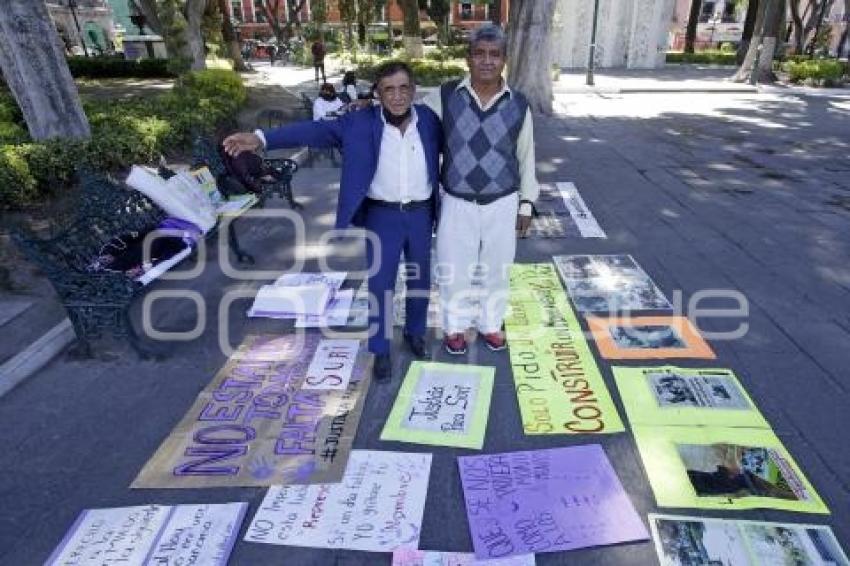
x=389, y=185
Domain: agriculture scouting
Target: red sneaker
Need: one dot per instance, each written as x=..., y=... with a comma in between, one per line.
x=495, y=341
x=455, y=343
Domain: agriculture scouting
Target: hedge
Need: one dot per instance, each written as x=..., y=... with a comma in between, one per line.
x=115, y=67
x=124, y=132
x=427, y=73
x=704, y=57
x=819, y=72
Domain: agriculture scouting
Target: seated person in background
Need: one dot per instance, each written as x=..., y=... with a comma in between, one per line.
x=349, y=86
x=327, y=103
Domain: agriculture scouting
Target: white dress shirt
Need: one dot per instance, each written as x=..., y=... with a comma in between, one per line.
x=528, y=187
x=402, y=173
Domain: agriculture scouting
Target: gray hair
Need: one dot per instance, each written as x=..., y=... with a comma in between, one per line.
x=491, y=33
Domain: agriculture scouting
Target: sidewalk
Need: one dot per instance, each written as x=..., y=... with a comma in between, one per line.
x=670, y=79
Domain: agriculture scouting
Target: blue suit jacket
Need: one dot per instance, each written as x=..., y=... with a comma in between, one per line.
x=359, y=136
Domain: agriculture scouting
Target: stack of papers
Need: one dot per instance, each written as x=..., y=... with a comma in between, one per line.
x=302, y=296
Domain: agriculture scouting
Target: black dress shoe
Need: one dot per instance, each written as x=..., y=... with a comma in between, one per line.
x=383, y=368
x=417, y=345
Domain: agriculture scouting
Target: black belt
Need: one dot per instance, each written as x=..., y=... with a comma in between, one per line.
x=403, y=206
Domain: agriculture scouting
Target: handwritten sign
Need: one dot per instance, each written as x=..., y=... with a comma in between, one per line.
x=546, y=501
x=558, y=384
x=409, y=557
x=442, y=404
x=259, y=424
x=152, y=534
x=332, y=364
x=376, y=507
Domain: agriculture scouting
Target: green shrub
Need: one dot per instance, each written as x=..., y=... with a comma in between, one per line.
x=427, y=73
x=728, y=48
x=115, y=67
x=17, y=184
x=819, y=72
x=702, y=57
x=126, y=131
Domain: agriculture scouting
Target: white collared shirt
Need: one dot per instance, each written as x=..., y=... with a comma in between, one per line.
x=528, y=187
x=402, y=173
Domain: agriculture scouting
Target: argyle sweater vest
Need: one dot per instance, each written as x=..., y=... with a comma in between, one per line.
x=480, y=163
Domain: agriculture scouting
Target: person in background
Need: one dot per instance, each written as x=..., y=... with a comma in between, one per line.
x=318, y=50
x=349, y=86
x=327, y=104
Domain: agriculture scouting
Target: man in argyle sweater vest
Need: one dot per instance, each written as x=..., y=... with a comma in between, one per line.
x=490, y=186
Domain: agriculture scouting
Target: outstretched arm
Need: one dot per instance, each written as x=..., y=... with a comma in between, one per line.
x=327, y=133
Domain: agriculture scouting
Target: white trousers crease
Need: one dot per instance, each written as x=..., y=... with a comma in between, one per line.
x=471, y=235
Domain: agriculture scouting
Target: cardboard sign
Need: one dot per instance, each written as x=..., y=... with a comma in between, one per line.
x=558, y=384
x=332, y=364
x=258, y=424
x=723, y=468
x=676, y=396
x=546, y=501
x=376, y=507
x=648, y=337
x=409, y=557
x=442, y=404
x=743, y=543
x=152, y=535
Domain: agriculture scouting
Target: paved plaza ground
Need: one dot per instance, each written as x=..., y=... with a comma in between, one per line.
x=746, y=191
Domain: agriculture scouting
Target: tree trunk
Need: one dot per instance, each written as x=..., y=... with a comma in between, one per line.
x=32, y=59
x=826, y=5
x=495, y=12
x=747, y=35
x=843, y=48
x=530, y=24
x=149, y=11
x=230, y=39
x=194, y=37
x=691, y=30
x=768, y=26
x=797, y=23
x=411, y=34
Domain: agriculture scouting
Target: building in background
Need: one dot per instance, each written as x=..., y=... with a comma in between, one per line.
x=630, y=33
x=94, y=18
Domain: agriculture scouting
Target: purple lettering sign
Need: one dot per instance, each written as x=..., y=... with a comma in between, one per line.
x=546, y=501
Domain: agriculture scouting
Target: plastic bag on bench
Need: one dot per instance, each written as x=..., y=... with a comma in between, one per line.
x=178, y=196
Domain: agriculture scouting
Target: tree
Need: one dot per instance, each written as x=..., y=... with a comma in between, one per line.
x=530, y=31
x=230, y=39
x=806, y=24
x=747, y=35
x=691, y=30
x=348, y=14
x=496, y=12
x=271, y=10
x=32, y=58
x=438, y=11
x=294, y=7
x=826, y=5
x=411, y=32
x=843, y=48
x=767, y=30
x=365, y=16
x=179, y=22
x=319, y=13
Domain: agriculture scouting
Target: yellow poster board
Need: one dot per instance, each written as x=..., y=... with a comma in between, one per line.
x=558, y=384
x=723, y=468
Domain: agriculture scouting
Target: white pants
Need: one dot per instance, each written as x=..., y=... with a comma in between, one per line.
x=474, y=236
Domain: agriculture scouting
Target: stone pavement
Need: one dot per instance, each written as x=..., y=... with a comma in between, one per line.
x=743, y=191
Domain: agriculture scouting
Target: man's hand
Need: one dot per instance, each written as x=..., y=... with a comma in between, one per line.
x=523, y=223
x=235, y=144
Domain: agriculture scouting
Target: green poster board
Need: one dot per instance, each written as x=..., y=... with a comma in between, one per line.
x=442, y=404
x=669, y=395
x=723, y=468
x=558, y=384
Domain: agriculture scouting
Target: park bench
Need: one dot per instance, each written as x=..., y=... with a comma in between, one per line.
x=205, y=153
x=98, y=300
